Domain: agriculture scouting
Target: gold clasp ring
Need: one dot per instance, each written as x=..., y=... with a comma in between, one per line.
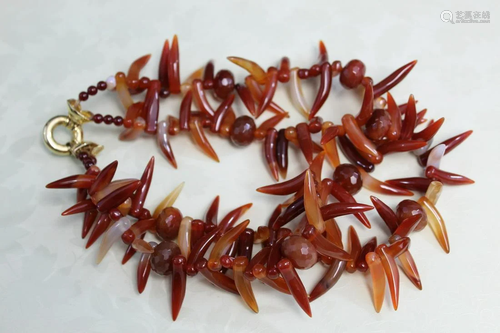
x=76, y=117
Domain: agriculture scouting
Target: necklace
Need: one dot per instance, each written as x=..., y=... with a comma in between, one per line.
x=114, y=209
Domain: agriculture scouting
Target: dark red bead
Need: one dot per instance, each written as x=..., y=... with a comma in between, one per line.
x=98, y=118
x=83, y=96
x=101, y=85
x=352, y=74
x=168, y=223
x=408, y=208
x=161, y=259
x=108, y=119
x=83, y=156
x=223, y=84
x=92, y=90
x=378, y=124
x=348, y=176
x=242, y=131
x=128, y=123
x=315, y=70
x=145, y=214
x=133, y=84
x=164, y=93
x=303, y=73
x=118, y=120
x=144, y=83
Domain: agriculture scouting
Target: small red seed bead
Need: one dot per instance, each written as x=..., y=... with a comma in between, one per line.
x=127, y=123
x=101, y=85
x=164, y=93
x=144, y=83
x=315, y=70
x=314, y=126
x=83, y=156
x=92, y=90
x=118, y=120
x=133, y=84
x=83, y=96
x=303, y=73
x=108, y=119
x=145, y=214
x=97, y=118
x=259, y=134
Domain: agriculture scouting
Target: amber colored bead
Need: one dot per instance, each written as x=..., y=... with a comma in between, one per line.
x=161, y=259
x=315, y=125
x=92, y=90
x=133, y=84
x=303, y=73
x=300, y=251
x=291, y=133
x=223, y=84
x=352, y=74
x=408, y=208
x=242, y=132
x=168, y=222
x=378, y=124
x=348, y=176
x=101, y=85
x=83, y=96
x=336, y=68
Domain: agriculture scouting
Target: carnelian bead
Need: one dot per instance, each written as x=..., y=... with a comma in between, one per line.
x=242, y=131
x=315, y=125
x=315, y=70
x=303, y=73
x=128, y=123
x=223, y=84
x=259, y=134
x=161, y=259
x=408, y=208
x=120, y=75
x=348, y=176
x=378, y=124
x=144, y=83
x=300, y=251
x=133, y=84
x=352, y=74
x=291, y=133
x=168, y=223
x=336, y=68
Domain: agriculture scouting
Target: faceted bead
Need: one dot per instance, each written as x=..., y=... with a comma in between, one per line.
x=168, y=222
x=378, y=125
x=223, y=84
x=242, y=132
x=408, y=208
x=352, y=74
x=300, y=251
x=348, y=176
x=161, y=259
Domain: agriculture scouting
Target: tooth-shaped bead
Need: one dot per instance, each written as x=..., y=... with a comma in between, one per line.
x=370, y=246
x=163, y=67
x=178, y=290
x=410, y=120
x=142, y=191
x=393, y=79
x=246, y=98
x=311, y=204
x=77, y=181
x=185, y=111
x=305, y=141
x=151, y=107
x=297, y=95
x=450, y=144
x=282, y=152
x=270, y=152
x=174, y=81
x=333, y=233
x=377, y=186
x=255, y=70
x=410, y=269
x=353, y=155
x=284, y=188
x=330, y=148
x=400, y=146
x=163, y=142
x=324, y=89
x=143, y=270
x=88, y=221
x=201, y=140
x=142, y=246
x=279, y=284
x=211, y=216
x=420, y=184
x=343, y=196
x=436, y=222
x=220, y=113
x=331, y=277
x=223, y=244
x=114, y=194
x=271, y=122
x=436, y=155
x=243, y=285
x=199, y=250
x=386, y=213
x=134, y=71
x=111, y=236
x=358, y=139
x=446, y=177
x=122, y=91
x=391, y=271
x=269, y=90
x=342, y=208
x=378, y=279
x=184, y=236
x=100, y=227
x=169, y=200
x=295, y=285
x=200, y=98
x=316, y=168
x=273, y=258
x=79, y=207
x=394, y=131
x=257, y=95
x=429, y=132
x=367, y=106
x=324, y=246
x=434, y=191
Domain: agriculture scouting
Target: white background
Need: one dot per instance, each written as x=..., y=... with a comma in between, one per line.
x=52, y=50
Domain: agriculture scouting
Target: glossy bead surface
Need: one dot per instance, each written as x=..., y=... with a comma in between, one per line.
x=348, y=176
x=223, y=84
x=161, y=259
x=352, y=74
x=378, y=124
x=242, y=132
x=300, y=251
x=408, y=208
x=168, y=222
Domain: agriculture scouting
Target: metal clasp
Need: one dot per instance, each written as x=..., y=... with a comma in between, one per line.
x=73, y=121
